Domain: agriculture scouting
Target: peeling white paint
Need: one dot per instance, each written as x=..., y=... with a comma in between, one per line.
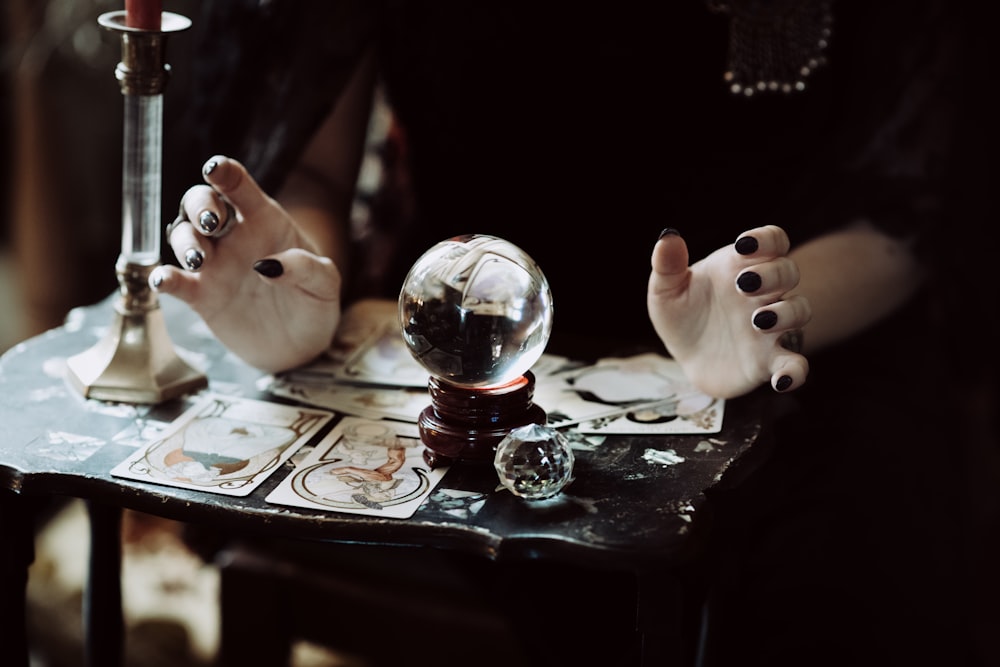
x=666, y=457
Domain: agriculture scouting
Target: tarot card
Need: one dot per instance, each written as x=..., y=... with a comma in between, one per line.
x=695, y=413
x=628, y=395
x=362, y=466
x=383, y=358
x=369, y=371
x=224, y=444
x=368, y=386
x=367, y=401
x=550, y=364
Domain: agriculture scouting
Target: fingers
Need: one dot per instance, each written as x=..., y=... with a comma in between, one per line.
x=203, y=214
x=235, y=184
x=783, y=321
x=212, y=210
x=216, y=220
x=776, y=276
x=788, y=371
x=208, y=211
x=763, y=242
x=167, y=279
x=766, y=271
x=230, y=196
x=316, y=276
x=296, y=268
x=186, y=244
x=767, y=276
x=781, y=316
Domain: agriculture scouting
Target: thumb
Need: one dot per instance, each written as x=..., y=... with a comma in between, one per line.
x=296, y=268
x=670, y=272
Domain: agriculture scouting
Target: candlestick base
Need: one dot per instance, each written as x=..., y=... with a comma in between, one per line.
x=135, y=361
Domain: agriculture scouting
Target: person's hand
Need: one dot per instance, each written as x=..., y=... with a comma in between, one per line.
x=728, y=319
x=250, y=272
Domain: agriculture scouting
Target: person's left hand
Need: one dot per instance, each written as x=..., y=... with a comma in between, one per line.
x=728, y=318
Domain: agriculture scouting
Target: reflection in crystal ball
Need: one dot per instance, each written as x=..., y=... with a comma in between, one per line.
x=534, y=462
x=476, y=311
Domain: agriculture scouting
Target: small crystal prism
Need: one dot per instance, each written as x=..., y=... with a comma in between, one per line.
x=534, y=461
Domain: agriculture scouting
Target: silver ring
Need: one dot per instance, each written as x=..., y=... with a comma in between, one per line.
x=226, y=225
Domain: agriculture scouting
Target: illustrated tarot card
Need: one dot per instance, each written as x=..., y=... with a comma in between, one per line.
x=224, y=444
x=383, y=358
x=362, y=466
x=645, y=393
x=676, y=416
x=377, y=379
x=369, y=372
x=368, y=401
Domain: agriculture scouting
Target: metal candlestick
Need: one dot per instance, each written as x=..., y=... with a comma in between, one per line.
x=136, y=362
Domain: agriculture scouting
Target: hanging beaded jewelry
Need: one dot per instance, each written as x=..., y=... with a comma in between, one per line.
x=774, y=45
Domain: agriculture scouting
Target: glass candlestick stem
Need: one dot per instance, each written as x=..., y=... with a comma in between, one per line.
x=141, y=178
x=142, y=74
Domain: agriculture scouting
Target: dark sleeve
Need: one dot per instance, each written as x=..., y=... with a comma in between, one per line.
x=900, y=67
x=267, y=73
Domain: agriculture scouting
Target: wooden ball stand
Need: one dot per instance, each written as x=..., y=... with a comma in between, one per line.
x=465, y=425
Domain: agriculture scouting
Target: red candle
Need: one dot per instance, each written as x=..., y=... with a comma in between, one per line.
x=143, y=14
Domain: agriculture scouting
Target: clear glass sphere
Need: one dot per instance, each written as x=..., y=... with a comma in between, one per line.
x=534, y=462
x=476, y=311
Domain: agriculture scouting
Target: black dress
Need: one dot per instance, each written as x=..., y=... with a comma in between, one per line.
x=578, y=134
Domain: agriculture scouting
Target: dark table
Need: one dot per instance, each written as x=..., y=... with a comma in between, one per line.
x=621, y=512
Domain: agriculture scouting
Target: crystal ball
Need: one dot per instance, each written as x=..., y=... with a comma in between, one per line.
x=534, y=462
x=476, y=311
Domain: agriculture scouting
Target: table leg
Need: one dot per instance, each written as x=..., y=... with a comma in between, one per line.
x=103, y=619
x=667, y=619
x=17, y=551
x=249, y=637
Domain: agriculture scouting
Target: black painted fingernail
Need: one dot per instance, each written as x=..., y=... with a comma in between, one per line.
x=194, y=259
x=748, y=281
x=765, y=319
x=209, y=167
x=208, y=222
x=746, y=245
x=783, y=383
x=668, y=231
x=270, y=268
x=157, y=280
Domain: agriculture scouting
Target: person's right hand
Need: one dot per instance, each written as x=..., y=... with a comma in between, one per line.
x=251, y=273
